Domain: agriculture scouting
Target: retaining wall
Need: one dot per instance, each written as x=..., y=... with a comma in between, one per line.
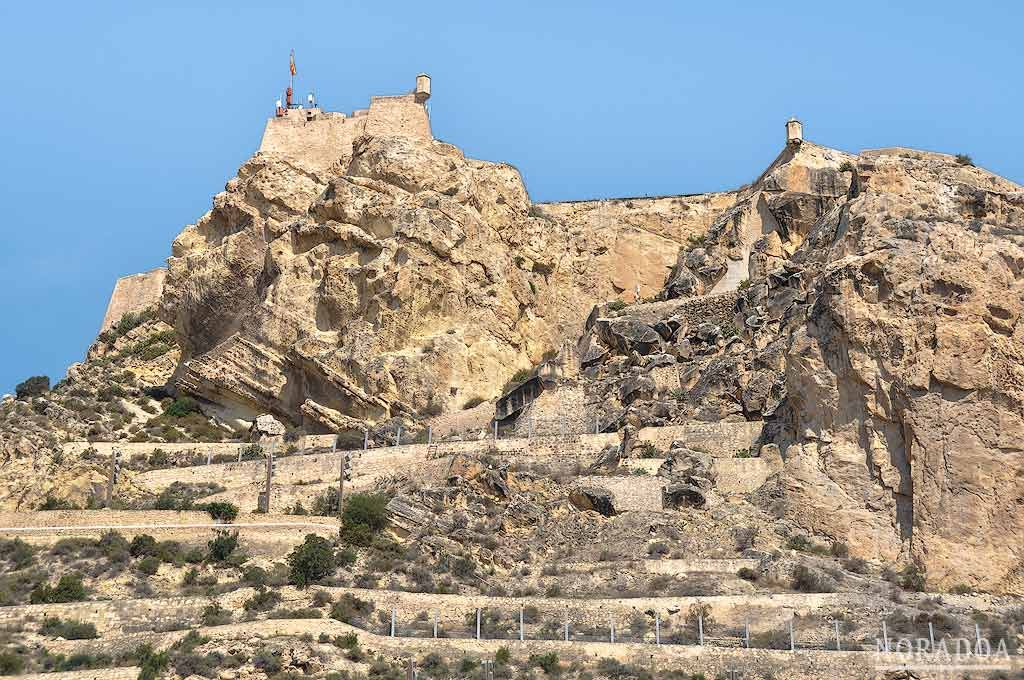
x=633, y=492
x=720, y=439
x=124, y=673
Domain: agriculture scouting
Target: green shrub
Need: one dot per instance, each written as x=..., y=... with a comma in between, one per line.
x=143, y=545
x=19, y=553
x=152, y=664
x=346, y=557
x=68, y=589
x=473, y=402
x=807, y=580
x=546, y=662
x=69, y=630
x=35, y=386
x=648, y=450
x=216, y=615
x=912, y=578
x=964, y=159
x=326, y=503
x=846, y=166
x=262, y=600
x=149, y=565
x=747, y=574
x=181, y=407
x=311, y=561
x=350, y=609
x=502, y=656
x=51, y=503
x=220, y=547
x=11, y=663
x=220, y=510
x=615, y=306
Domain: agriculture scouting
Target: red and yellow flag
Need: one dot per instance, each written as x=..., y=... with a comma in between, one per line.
x=291, y=62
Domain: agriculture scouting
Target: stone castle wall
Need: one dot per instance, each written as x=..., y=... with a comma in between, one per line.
x=321, y=139
x=133, y=294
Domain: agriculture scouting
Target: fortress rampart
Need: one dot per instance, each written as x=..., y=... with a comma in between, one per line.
x=133, y=294
x=318, y=139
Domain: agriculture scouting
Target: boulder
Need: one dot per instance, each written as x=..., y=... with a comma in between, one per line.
x=264, y=426
x=593, y=498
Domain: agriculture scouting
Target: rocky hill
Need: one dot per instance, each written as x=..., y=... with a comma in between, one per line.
x=854, y=317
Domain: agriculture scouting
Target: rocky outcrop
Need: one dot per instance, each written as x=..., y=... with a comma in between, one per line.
x=416, y=280
x=905, y=389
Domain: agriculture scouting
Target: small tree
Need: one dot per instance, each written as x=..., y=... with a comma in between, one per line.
x=364, y=516
x=311, y=561
x=33, y=387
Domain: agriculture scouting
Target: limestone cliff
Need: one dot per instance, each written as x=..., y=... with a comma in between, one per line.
x=873, y=324
x=413, y=282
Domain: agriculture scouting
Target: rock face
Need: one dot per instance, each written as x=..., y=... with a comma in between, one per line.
x=874, y=326
x=865, y=307
x=904, y=374
x=414, y=282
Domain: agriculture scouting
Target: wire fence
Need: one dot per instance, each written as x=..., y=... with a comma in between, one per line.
x=794, y=635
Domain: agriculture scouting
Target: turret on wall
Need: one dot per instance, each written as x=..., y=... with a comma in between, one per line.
x=794, y=131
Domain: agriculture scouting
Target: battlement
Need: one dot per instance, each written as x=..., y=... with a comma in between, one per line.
x=319, y=139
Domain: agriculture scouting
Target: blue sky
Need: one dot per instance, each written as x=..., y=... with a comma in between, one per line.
x=123, y=119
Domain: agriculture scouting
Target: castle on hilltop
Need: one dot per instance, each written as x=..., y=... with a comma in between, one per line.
x=318, y=138
x=322, y=142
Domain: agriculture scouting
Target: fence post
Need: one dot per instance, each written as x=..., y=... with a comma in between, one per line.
x=495, y=430
x=478, y=623
x=611, y=629
x=746, y=632
x=240, y=453
x=839, y=646
x=209, y=457
x=977, y=638
x=366, y=439
x=931, y=637
x=398, y=437
x=885, y=637
x=435, y=624
x=792, y=637
x=521, y=634
x=430, y=434
x=700, y=628
x=597, y=424
x=394, y=615
x=566, y=633
x=657, y=628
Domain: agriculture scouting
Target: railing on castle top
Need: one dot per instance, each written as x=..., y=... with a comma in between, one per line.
x=493, y=623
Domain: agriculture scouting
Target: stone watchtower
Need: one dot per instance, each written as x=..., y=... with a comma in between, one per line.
x=422, y=90
x=794, y=131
